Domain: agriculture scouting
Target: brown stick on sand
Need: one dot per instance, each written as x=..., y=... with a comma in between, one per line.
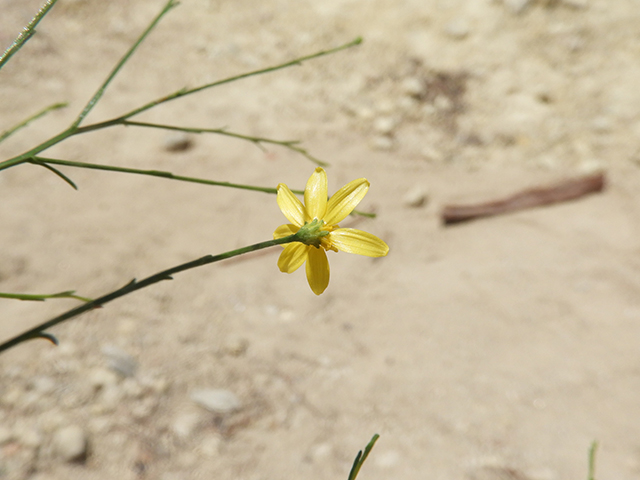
x=534, y=197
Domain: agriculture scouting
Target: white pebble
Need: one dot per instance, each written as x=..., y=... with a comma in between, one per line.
x=382, y=142
x=416, y=197
x=216, y=400
x=185, y=424
x=384, y=125
x=413, y=87
x=101, y=378
x=120, y=361
x=177, y=142
x=70, y=443
x=457, y=29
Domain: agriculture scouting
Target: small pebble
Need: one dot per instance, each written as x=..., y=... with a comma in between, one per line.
x=177, y=142
x=382, y=142
x=384, y=125
x=457, y=29
x=101, y=378
x=120, y=361
x=415, y=198
x=71, y=444
x=216, y=400
x=185, y=424
x=413, y=87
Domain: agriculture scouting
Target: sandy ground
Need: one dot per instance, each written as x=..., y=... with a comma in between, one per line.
x=494, y=350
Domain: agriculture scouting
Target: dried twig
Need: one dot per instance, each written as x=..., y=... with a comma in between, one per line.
x=534, y=197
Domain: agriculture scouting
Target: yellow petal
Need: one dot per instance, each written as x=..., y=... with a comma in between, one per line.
x=351, y=240
x=292, y=257
x=345, y=200
x=315, y=195
x=317, y=270
x=291, y=207
x=285, y=230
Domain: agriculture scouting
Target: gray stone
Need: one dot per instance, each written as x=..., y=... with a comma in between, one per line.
x=120, y=361
x=71, y=444
x=216, y=400
x=177, y=142
x=416, y=197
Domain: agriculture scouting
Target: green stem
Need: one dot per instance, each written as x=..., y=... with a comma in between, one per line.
x=75, y=129
x=361, y=457
x=30, y=119
x=592, y=461
x=290, y=144
x=39, y=331
x=96, y=97
x=188, y=91
x=41, y=298
x=153, y=173
x=162, y=174
x=27, y=32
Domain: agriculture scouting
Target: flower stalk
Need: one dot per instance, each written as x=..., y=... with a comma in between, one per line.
x=134, y=285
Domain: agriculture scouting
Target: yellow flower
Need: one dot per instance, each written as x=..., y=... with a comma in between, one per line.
x=316, y=223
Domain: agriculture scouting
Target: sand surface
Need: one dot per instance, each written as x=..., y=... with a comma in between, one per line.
x=493, y=350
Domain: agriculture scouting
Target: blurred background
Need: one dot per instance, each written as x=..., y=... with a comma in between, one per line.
x=497, y=349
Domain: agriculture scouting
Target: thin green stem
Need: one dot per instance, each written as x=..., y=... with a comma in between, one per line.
x=42, y=298
x=30, y=119
x=592, y=461
x=361, y=457
x=290, y=144
x=40, y=330
x=43, y=161
x=96, y=97
x=75, y=128
x=27, y=32
x=188, y=91
x=153, y=173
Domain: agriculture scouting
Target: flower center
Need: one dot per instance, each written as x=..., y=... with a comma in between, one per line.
x=311, y=233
